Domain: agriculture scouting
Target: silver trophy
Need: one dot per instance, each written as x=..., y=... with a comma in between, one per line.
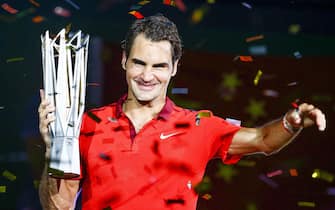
x=64, y=76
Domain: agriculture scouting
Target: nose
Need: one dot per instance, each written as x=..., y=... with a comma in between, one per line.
x=147, y=74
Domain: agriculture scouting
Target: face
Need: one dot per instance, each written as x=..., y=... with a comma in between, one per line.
x=149, y=69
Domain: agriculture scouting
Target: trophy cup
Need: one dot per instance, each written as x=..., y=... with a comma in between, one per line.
x=64, y=78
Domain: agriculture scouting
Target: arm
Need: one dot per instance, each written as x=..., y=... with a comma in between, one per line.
x=54, y=193
x=273, y=136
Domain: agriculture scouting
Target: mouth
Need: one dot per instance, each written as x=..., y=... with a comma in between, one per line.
x=145, y=86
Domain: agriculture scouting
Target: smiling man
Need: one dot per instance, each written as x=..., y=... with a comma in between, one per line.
x=147, y=153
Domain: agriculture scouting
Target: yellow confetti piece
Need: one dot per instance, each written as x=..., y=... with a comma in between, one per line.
x=246, y=163
x=294, y=29
x=198, y=15
x=37, y=19
x=2, y=189
x=10, y=176
x=254, y=38
x=258, y=76
x=204, y=114
x=143, y=2
x=306, y=204
x=206, y=196
x=34, y=3
x=324, y=175
x=14, y=59
x=211, y=1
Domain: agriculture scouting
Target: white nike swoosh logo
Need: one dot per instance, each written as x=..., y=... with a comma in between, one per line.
x=165, y=136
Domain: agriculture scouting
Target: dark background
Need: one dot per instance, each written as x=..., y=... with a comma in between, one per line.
x=210, y=49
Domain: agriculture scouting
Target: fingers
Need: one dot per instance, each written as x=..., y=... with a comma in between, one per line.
x=312, y=115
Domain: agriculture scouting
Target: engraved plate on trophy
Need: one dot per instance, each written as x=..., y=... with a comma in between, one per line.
x=64, y=76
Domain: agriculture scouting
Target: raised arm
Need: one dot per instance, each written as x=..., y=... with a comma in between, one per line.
x=53, y=193
x=273, y=136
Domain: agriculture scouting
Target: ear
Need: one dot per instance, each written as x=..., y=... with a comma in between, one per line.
x=123, y=60
x=175, y=67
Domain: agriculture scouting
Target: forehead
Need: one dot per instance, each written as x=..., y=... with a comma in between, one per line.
x=150, y=51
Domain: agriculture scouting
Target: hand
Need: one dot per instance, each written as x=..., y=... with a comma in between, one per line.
x=307, y=116
x=46, y=116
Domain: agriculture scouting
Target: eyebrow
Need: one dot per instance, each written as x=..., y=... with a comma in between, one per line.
x=138, y=61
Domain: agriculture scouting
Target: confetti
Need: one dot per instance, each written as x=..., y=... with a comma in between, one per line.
x=2, y=189
x=93, y=84
x=234, y=121
x=8, y=8
x=331, y=191
x=230, y=81
x=256, y=109
x=137, y=14
x=226, y=172
x=179, y=91
x=34, y=3
x=297, y=55
x=324, y=175
x=274, y=173
x=254, y=38
x=246, y=163
x=258, y=50
x=292, y=83
x=38, y=19
x=306, y=204
x=143, y=2
x=60, y=11
x=10, y=176
x=169, y=2
x=268, y=181
x=201, y=115
x=25, y=12
x=245, y=58
x=180, y=5
x=198, y=14
x=135, y=7
x=294, y=29
x=14, y=59
x=73, y=4
x=257, y=77
x=245, y=4
x=211, y=1
x=206, y=196
x=293, y=172
x=271, y=93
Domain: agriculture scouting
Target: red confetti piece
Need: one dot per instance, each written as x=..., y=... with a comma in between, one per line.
x=137, y=14
x=168, y=2
x=254, y=38
x=274, y=173
x=93, y=84
x=180, y=5
x=8, y=8
x=293, y=172
x=246, y=58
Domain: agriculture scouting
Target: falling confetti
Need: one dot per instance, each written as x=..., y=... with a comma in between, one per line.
x=180, y=5
x=324, y=175
x=34, y=3
x=25, y=12
x=268, y=181
x=73, y=4
x=211, y=1
x=245, y=4
x=198, y=14
x=257, y=77
x=293, y=172
x=14, y=59
x=230, y=81
x=226, y=172
x=274, y=173
x=8, y=8
x=10, y=176
x=246, y=163
x=256, y=109
x=292, y=83
x=294, y=29
x=135, y=7
x=306, y=204
x=169, y=2
x=137, y=14
x=271, y=93
x=2, y=189
x=38, y=19
x=179, y=91
x=207, y=196
x=201, y=115
x=297, y=55
x=254, y=38
x=93, y=84
x=246, y=58
x=258, y=50
x=143, y=2
x=60, y=11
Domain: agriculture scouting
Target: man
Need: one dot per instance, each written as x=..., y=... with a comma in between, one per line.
x=146, y=153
